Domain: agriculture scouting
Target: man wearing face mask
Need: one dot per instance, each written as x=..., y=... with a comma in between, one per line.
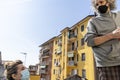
x=103, y=35
x=17, y=71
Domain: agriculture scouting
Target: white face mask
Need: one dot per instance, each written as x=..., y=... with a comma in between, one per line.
x=25, y=74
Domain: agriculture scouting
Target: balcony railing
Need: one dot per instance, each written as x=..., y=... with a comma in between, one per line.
x=70, y=54
x=59, y=51
x=46, y=50
x=72, y=63
x=72, y=37
x=33, y=69
x=42, y=67
x=59, y=43
x=57, y=64
x=45, y=55
x=44, y=63
x=42, y=79
x=72, y=48
x=42, y=71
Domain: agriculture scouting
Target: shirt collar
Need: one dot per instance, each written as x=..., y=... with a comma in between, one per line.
x=108, y=14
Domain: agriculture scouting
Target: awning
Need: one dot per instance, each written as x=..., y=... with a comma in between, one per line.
x=42, y=66
x=70, y=55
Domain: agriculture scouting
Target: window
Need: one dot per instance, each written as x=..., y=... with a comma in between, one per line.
x=63, y=66
x=54, y=71
x=77, y=30
x=82, y=28
x=83, y=56
x=56, y=42
x=64, y=37
x=77, y=57
x=73, y=46
x=83, y=73
x=77, y=43
x=59, y=59
x=71, y=58
x=82, y=41
x=54, y=61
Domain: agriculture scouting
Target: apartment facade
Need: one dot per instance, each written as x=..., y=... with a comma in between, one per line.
x=45, y=58
x=71, y=55
x=33, y=69
x=66, y=55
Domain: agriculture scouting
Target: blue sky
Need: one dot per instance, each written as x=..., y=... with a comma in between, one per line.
x=25, y=24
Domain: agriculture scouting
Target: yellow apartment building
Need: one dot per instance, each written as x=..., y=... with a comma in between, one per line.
x=71, y=55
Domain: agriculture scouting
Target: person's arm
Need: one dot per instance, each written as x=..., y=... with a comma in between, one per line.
x=102, y=39
x=92, y=38
x=109, y=36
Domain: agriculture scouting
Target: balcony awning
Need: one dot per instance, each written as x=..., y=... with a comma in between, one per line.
x=70, y=55
x=42, y=66
x=58, y=51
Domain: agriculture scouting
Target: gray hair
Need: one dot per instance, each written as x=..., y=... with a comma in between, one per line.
x=111, y=2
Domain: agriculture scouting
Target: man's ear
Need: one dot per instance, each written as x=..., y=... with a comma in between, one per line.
x=14, y=76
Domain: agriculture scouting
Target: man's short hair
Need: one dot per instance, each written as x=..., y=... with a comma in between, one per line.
x=12, y=69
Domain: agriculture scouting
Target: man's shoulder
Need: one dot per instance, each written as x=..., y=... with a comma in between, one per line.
x=93, y=19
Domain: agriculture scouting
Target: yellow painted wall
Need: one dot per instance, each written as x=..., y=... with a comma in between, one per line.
x=57, y=57
x=34, y=77
x=88, y=64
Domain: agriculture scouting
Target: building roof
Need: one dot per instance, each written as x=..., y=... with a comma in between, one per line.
x=45, y=43
x=82, y=20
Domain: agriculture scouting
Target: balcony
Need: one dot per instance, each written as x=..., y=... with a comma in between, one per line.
x=70, y=48
x=72, y=63
x=57, y=64
x=45, y=50
x=42, y=67
x=58, y=51
x=59, y=43
x=45, y=55
x=70, y=54
x=72, y=37
x=42, y=79
x=44, y=63
x=42, y=71
x=33, y=68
